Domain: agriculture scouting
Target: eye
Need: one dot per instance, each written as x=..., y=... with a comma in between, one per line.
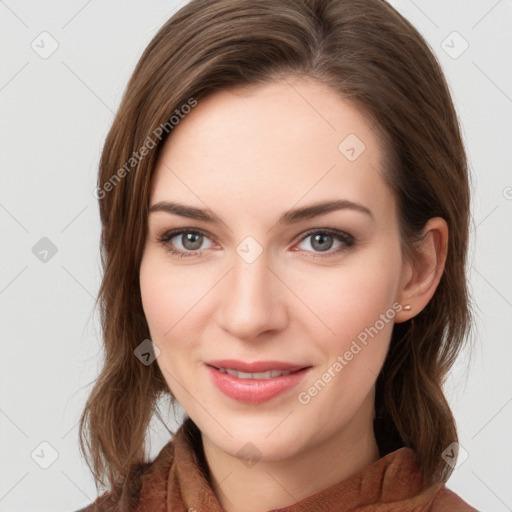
x=323, y=240
x=184, y=242
x=187, y=242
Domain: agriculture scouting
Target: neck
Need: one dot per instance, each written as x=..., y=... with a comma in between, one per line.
x=269, y=485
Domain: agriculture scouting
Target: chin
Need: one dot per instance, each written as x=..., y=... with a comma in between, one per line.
x=267, y=438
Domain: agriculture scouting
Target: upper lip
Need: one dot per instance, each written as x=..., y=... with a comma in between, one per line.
x=256, y=366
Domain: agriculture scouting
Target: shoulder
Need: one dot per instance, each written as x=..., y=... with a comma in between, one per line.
x=146, y=476
x=445, y=499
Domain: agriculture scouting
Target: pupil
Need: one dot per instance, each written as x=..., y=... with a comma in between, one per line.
x=192, y=241
x=320, y=240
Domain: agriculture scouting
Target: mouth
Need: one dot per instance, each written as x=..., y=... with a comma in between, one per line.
x=258, y=375
x=255, y=382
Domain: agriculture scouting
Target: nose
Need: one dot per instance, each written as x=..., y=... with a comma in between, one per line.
x=252, y=300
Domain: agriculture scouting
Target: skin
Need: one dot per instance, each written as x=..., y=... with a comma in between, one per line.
x=249, y=155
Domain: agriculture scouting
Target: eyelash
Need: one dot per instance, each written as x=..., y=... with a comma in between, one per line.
x=345, y=238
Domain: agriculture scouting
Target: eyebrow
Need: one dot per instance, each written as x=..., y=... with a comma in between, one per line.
x=292, y=216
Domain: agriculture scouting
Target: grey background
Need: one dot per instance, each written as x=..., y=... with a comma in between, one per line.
x=55, y=113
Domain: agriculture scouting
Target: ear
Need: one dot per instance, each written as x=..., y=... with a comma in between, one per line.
x=421, y=277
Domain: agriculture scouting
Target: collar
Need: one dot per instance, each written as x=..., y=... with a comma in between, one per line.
x=177, y=480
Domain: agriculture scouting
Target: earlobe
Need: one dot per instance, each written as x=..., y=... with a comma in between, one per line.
x=424, y=273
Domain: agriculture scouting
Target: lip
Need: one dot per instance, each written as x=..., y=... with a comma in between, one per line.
x=255, y=391
x=255, y=367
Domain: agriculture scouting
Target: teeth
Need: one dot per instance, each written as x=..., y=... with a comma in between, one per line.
x=260, y=375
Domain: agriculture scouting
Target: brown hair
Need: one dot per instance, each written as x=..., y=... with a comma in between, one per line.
x=369, y=54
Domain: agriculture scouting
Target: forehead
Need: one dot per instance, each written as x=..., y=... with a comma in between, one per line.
x=278, y=142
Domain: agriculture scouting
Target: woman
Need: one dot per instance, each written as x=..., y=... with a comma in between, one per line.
x=285, y=206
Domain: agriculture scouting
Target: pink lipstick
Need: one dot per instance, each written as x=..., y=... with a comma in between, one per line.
x=255, y=382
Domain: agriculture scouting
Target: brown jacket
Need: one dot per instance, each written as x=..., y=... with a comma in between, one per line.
x=175, y=482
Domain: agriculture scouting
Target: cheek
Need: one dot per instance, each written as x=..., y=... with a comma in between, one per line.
x=358, y=309
x=169, y=297
x=351, y=298
x=157, y=301
x=355, y=306
x=169, y=300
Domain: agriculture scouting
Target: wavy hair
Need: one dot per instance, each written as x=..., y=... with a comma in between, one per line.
x=371, y=56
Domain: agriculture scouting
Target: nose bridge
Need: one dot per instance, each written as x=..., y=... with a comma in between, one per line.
x=251, y=304
x=250, y=278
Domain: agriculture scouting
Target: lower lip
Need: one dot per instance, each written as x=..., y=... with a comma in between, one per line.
x=255, y=391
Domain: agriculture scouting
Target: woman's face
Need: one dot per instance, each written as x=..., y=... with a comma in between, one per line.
x=264, y=274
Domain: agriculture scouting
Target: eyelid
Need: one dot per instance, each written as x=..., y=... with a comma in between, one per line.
x=337, y=233
x=168, y=235
x=346, y=238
